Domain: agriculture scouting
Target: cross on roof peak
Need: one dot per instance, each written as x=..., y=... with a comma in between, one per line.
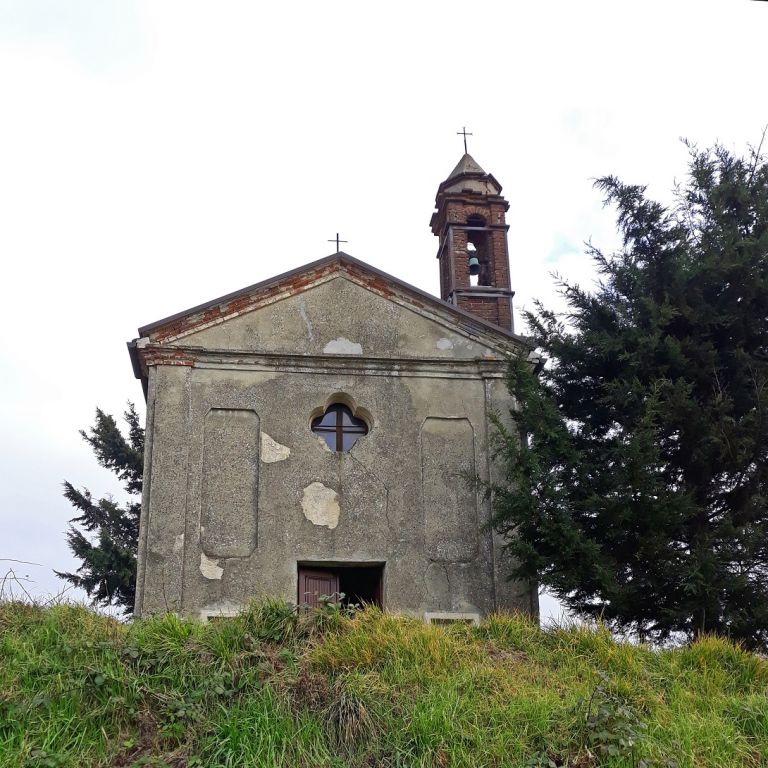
x=463, y=132
x=337, y=241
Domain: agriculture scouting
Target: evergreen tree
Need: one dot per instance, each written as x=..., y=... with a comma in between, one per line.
x=639, y=493
x=108, y=552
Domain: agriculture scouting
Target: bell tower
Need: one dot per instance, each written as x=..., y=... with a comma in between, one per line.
x=473, y=255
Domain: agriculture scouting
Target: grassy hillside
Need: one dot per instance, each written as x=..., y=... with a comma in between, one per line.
x=78, y=689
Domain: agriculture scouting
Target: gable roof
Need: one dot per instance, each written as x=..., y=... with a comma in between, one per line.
x=294, y=281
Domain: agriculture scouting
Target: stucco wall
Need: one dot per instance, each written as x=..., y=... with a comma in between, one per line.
x=338, y=316
x=238, y=489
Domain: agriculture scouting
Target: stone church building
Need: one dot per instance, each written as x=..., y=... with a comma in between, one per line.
x=312, y=434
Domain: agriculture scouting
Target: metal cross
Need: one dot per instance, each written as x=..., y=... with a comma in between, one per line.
x=463, y=132
x=337, y=241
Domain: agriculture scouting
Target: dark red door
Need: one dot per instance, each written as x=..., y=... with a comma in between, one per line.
x=314, y=584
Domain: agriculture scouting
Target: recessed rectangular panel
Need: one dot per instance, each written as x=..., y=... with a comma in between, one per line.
x=450, y=501
x=230, y=484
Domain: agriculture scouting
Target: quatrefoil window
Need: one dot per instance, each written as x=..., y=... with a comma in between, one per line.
x=339, y=427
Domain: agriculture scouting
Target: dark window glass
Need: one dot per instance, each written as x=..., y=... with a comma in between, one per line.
x=339, y=428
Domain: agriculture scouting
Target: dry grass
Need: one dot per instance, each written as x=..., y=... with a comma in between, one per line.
x=272, y=689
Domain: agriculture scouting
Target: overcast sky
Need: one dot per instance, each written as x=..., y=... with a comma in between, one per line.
x=154, y=155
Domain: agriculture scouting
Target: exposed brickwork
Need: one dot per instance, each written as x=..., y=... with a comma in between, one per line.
x=492, y=309
x=449, y=223
x=154, y=350
x=198, y=320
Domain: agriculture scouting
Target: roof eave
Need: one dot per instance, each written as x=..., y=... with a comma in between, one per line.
x=147, y=329
x=133, y=353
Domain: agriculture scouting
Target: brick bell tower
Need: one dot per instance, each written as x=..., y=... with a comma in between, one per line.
x=473, y=255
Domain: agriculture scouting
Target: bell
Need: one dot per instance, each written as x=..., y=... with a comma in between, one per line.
x=474, y=265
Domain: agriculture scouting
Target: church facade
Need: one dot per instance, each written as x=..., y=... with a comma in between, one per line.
x=314, y=434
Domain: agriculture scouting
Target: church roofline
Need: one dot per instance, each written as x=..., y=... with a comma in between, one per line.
x=341, y=258
x=146, y=329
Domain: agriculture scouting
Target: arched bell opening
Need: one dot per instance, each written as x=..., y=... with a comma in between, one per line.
x=477, y=251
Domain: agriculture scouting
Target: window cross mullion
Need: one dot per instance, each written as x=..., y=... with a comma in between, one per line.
x=339, y=427
x=339, y=431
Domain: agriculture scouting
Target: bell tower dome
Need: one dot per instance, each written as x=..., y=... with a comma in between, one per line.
x=474, y=260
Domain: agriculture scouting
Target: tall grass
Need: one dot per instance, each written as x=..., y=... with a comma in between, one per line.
x=270, y=688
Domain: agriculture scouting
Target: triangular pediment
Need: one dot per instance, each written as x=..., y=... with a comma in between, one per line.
x=336, y=306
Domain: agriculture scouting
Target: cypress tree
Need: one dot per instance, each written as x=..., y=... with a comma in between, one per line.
x=638, y=469
x=107, y=545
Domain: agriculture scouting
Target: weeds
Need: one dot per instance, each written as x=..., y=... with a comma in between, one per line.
x=349, y=722
x=612, y=728
x=334, y=688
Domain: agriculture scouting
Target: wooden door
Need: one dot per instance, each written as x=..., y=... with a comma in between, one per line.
x=313, y=584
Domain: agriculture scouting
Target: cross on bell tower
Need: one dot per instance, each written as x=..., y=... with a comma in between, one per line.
x=473, y=255
x=463, y=132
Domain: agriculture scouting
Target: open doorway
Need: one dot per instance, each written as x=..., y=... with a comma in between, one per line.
x=360, y=584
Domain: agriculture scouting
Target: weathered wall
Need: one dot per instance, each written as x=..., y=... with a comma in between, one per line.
x=339, y=317
x=238, y=489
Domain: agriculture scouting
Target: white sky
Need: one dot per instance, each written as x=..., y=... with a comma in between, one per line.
x=154, y=155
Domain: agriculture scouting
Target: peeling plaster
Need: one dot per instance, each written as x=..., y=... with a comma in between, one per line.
x=444, y=344
x=272, y=451
x=342, y=346
x=210, y=568
x=320, y=505
x=178, y=543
